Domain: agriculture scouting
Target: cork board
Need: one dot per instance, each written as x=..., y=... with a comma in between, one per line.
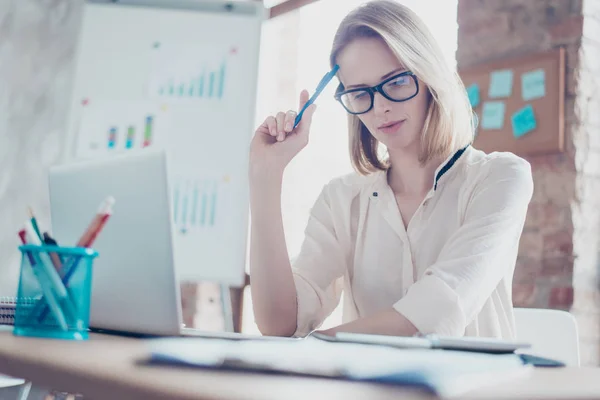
x=519, y=103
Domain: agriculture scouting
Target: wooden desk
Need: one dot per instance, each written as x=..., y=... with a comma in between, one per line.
x=105, y=367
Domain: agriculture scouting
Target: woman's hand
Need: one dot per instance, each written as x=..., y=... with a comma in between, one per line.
x=276, y=143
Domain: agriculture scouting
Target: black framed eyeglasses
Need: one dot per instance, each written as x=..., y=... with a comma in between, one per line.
x=398, y=88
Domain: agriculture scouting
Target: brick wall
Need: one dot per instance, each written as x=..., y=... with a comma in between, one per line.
x=558, y=257
x=586, y=210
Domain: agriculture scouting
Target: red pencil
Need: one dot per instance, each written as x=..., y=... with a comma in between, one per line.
x=94, y=228
x=22, y=235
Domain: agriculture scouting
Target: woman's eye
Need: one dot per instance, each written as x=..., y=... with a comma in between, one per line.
x=400, y=81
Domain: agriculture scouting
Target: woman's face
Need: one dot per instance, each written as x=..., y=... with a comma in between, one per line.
x=367, y=62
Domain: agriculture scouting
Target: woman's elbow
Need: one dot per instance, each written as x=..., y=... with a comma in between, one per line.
x=277, y=328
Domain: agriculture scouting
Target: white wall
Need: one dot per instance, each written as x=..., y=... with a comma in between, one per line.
x=37, y=43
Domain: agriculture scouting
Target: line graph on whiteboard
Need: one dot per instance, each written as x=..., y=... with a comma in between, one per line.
x=177, y=75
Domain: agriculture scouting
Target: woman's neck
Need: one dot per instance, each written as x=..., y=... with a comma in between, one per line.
x=408, y=176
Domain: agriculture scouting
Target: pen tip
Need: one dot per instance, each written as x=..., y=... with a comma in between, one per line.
x=30, y=211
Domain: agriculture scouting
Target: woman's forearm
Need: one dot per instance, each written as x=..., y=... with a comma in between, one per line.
x=389, y=322
x=272, y=283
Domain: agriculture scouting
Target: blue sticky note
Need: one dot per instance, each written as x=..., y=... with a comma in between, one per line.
x=533, y=84
x=523, y=121
x=473, y=93
x=501, y=84
x=493, y=115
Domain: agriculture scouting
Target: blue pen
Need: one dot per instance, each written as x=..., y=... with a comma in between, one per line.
x=44, y=280
x=53, y=278
x=70, y=268
x=328, y=77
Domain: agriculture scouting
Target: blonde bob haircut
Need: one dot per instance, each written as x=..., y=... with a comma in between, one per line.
x=449, y=124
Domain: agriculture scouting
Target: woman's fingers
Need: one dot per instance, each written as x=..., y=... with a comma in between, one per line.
x=307, y=117
x=280, y=118
x=271, y=124
x=290, y=118
x=303, y=98
x=283, y=123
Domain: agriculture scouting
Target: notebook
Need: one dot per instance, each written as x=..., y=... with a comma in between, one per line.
x=435, y=342
x=476, y=344
x=8, y=307
x=445, y=373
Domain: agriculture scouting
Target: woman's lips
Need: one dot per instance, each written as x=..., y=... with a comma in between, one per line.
x=391, y=128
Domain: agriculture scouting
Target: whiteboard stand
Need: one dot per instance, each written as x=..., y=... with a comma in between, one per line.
x=227, y=308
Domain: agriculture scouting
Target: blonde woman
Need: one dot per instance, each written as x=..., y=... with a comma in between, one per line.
x=424, y=237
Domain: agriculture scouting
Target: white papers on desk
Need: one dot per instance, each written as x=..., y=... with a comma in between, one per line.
x=443, y=372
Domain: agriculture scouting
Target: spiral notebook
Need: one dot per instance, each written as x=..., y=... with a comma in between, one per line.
x=8, y=307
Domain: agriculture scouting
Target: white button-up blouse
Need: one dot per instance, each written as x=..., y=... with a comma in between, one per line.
x=449, y=272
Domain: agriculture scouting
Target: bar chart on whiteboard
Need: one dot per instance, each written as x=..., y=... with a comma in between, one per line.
x=200, y=83
x=177, y=74
x=109, y=127
x=197, y=203
x=206, y=220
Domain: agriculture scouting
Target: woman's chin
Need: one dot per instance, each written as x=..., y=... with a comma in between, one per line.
x=401, y=144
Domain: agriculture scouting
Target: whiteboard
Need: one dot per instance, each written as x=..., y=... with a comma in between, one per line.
x=179, y=75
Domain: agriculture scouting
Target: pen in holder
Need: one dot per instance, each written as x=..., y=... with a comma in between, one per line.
x=61, y=293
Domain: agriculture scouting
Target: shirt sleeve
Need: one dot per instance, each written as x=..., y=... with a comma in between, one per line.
x=478, y=255
x=319, y=267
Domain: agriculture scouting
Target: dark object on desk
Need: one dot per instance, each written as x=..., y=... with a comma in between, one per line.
x=538, y=361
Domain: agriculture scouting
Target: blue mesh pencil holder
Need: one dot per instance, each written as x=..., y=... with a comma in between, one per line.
x=54, y=295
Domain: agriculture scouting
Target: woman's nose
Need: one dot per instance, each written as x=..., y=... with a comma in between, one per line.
x=381, y=105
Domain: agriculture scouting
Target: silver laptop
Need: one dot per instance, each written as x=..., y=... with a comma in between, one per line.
x=135, y=288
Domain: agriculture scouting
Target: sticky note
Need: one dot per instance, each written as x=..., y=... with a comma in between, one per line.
x=473, y=93
x=523, y=121
x=533, y=84
x=493, y=115
x=501, y=84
